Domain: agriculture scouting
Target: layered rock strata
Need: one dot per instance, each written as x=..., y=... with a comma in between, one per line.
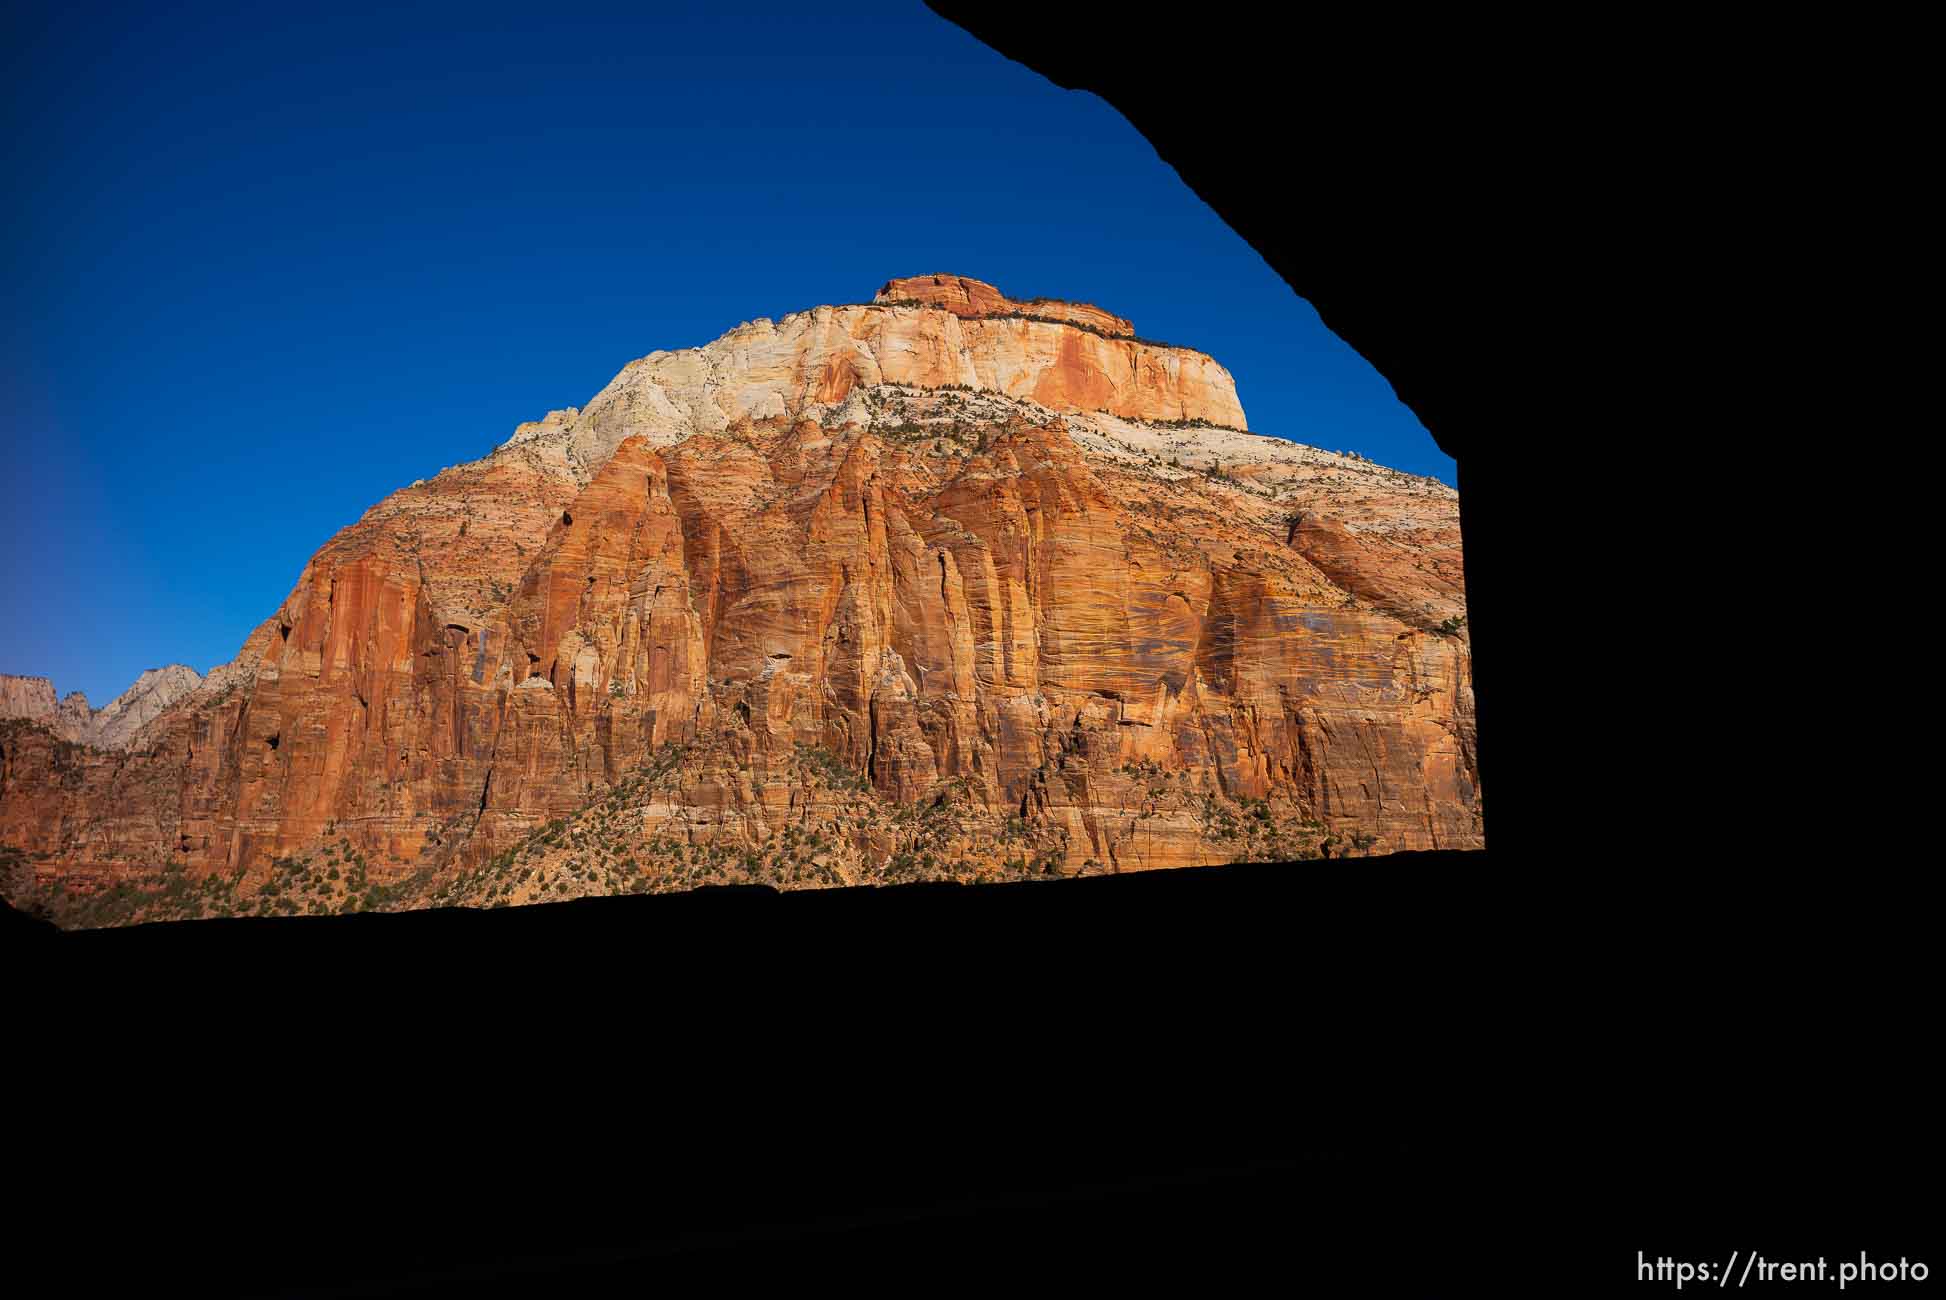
x=109, y=727
x=764, y=611
x=976, y=298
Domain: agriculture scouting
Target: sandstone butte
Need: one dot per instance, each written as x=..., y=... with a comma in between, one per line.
x=108, y=727
x=942, y=586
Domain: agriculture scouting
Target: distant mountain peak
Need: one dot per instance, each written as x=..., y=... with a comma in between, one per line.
x=110, y=727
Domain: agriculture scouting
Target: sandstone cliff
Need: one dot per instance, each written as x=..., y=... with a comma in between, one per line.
x=28, y=697
x=870, y=593
x=820, y=364
x=109, y=727
x=973, y=298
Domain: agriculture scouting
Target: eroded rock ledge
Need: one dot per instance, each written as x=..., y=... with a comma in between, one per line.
x=975, y=298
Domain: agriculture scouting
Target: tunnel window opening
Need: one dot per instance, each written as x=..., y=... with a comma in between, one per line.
x=272, y=741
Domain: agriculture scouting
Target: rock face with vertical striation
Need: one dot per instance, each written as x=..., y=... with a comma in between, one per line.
x=945, y=586
x=28, y=697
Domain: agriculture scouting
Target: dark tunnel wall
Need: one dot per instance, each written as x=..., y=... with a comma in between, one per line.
x=1425, y=184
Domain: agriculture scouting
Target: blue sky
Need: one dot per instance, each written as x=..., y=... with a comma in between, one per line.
x=265, y=264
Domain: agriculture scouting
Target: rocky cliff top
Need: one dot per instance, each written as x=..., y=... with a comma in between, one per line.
x=109, y=727
x=955, y=333
x=27, y=697
x=975, y=298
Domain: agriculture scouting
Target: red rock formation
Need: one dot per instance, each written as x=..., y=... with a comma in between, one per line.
x=975, y=298
x=914, y=633
x=109, y=727
x=822, y=363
